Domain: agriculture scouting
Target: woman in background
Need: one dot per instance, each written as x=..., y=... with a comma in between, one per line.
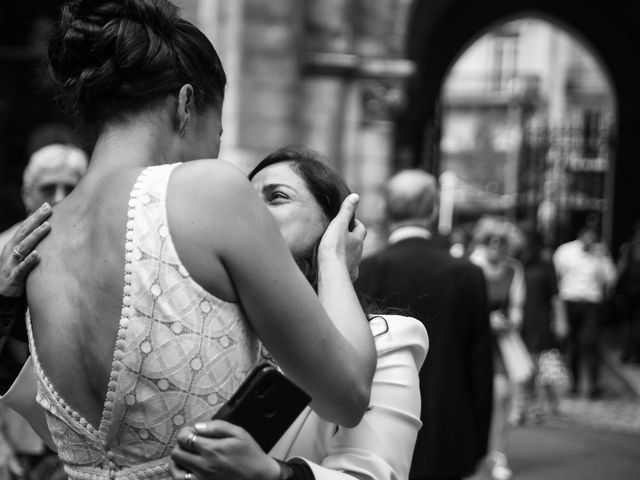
x=544, y=324
x=493, y=238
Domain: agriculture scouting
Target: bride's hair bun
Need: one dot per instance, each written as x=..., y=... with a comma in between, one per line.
x=110, y=58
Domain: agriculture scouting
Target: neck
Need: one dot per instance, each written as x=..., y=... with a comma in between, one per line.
x=137, y=143
x=420, y=223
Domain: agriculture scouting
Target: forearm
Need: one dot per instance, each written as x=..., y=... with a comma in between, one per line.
x=338, y=297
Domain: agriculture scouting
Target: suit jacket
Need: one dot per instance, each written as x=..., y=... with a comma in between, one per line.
x=449, y=296
x=380, y=446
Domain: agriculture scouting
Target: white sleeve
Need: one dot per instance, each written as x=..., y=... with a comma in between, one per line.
x=517, y=294
x=380, y=447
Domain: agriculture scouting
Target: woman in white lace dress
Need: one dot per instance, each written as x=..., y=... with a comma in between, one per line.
x=162, y=274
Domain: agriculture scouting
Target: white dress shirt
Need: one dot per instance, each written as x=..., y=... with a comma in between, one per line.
x=583, y=276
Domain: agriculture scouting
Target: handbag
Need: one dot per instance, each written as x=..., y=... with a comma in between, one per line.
x=552, y=369
x=516, y=357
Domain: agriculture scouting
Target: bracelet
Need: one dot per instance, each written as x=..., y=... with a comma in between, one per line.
x=301, y=469
x=285, y=470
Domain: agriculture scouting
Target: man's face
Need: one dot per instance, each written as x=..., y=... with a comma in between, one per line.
x=50, y=186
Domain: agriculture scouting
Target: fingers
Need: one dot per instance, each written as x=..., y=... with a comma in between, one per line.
x=187, y=460
x=360, y=230
x=32, y=222
x=180, y=472
x=217, y=429
x=23, y=268
x=26, y=246
x=191, y=439
x=348, y=209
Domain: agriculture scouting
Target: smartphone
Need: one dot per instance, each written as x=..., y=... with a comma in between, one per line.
x=265, y=405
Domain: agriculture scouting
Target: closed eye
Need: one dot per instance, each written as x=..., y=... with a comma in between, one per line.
x=277, y=196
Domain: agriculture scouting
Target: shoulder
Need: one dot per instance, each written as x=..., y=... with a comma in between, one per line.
x=201, y=193
x=566, y=248
x=210, y=178
x=393, y=333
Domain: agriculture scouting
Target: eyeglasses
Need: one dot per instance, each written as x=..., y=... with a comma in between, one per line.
x=496, y=241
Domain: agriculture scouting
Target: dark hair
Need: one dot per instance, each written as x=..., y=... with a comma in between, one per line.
x=112, y=58
x=326, y=186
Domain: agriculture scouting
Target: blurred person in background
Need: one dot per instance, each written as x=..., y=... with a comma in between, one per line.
x=586, y=275
x=628, y=287
x=51, y=174
x=544, y=324
x=493, y=240
x=415, y=273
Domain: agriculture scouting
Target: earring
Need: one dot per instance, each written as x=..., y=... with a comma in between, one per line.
x=183, y=132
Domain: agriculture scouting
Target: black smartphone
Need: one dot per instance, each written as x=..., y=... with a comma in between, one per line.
x=265, y=405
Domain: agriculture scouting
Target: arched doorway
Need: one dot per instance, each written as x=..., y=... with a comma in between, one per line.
x=440, y=29
x=527, y=115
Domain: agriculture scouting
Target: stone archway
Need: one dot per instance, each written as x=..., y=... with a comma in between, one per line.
x=439, y=30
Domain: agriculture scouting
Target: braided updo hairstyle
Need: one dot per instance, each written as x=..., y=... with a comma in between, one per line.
x=113, y=58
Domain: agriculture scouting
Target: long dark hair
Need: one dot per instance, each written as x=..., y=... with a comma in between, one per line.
x=112, y=58
x=326, y=186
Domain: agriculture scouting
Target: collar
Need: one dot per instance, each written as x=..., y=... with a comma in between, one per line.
x=410, y=231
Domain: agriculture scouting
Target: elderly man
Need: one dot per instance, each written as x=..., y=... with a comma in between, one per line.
x=448, y=295
x=51, y=174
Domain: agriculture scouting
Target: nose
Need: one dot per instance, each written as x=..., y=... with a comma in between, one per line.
x=59, y=194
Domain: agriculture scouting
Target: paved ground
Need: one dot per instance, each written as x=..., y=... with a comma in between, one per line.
x=588, y=439
x=570, y=451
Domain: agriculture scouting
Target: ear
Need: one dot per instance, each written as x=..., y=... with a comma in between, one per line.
x=186, y=98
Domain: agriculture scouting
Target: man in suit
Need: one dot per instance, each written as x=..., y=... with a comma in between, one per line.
x=415, y=273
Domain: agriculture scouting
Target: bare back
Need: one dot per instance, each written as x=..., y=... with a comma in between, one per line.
x=75, y=296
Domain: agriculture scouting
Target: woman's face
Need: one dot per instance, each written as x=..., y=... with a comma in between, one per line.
x=299, y=216
x=496, y=248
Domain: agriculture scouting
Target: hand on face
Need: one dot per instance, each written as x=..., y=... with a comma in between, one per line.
x=18, y=256
x=341, y=243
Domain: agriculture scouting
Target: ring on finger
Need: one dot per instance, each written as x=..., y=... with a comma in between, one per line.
x=17, y=254
x=189, y=476
x=189, y=444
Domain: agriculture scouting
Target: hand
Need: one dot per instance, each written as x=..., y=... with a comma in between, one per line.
x=13, y=269
x=499, y=321
x=338, y=242
x=560, y=329
x=221, y=451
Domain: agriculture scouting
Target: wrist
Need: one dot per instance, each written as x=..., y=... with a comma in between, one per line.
x=285, y=471
x=273, y=470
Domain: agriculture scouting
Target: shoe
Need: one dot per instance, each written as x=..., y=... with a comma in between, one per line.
x=499, y=467
x=516, y=419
